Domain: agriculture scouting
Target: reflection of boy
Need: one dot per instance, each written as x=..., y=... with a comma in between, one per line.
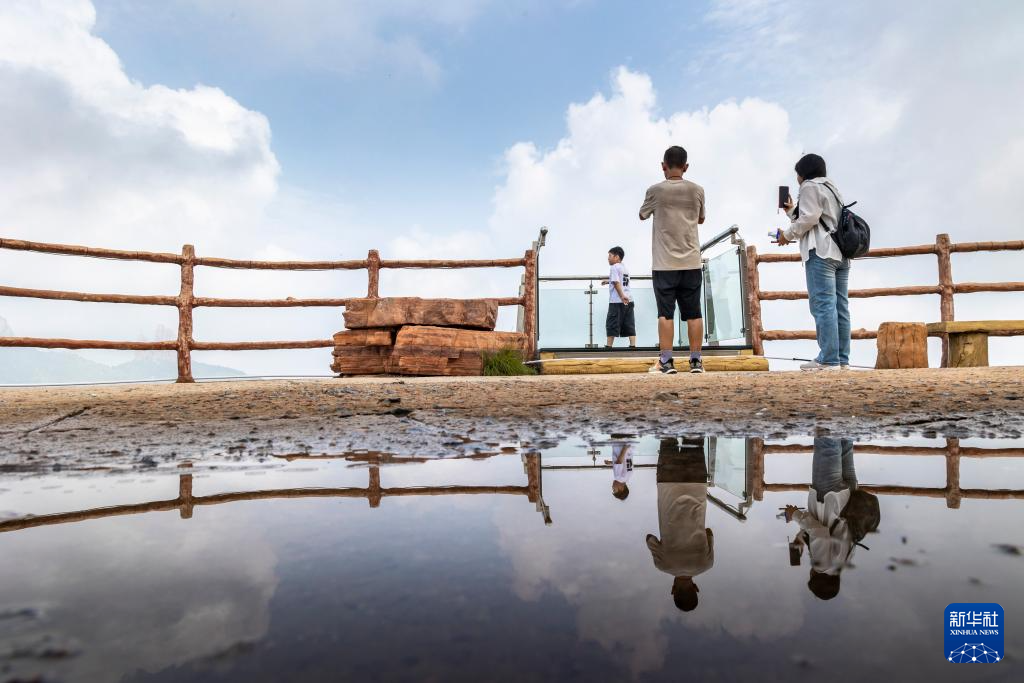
x=621, y=321
x=686, y=547
x=622, y=469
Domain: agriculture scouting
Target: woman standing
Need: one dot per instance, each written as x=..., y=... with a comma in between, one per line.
x=815, y=214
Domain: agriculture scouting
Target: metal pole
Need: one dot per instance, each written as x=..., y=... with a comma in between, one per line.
x=590, y=293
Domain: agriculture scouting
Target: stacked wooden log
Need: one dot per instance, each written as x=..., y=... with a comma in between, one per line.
x=413, y=336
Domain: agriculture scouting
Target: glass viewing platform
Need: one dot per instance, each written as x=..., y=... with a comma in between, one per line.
x=572, y=309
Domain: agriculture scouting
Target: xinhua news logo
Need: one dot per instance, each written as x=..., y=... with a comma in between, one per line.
x=974, y=633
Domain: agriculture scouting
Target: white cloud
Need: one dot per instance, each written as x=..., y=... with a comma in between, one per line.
x=93, y=157
x=588, y=188
x=90, y=152
x=914, y=107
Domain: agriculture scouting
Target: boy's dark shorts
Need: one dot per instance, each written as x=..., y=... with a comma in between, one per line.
x=681, y=287
x=620, y=322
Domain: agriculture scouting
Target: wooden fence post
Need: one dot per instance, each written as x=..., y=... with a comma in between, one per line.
x=185, y=494
x=530, y=303
x=373, y=274
x=754, y=301
x=185, y=301
x=374, y=487
x=757, y=468
x=953, y=494
x=942, y=251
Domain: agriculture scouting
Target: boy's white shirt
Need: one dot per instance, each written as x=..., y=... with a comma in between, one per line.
x=618, y=273
x=622, y=461
x=830, y=551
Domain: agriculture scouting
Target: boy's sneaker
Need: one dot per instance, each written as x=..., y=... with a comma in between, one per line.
x=696, y=365
x=668, y=368
x=815, y=365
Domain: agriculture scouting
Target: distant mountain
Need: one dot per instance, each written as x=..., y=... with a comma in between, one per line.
x=44, y=366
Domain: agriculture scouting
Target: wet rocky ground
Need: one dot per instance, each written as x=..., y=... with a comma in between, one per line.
x=140, y=426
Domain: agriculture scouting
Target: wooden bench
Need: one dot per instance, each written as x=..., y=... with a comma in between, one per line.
x=968, y=340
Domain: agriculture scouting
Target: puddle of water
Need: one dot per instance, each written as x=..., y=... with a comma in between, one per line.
x=626, y=558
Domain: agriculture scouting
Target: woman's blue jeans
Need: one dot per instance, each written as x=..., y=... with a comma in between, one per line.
x=827, y=285
x=832, y=466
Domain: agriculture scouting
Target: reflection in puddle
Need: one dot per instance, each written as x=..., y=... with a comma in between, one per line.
x=632, y=557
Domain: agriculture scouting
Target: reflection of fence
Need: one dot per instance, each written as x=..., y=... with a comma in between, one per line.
x=946, y=288
x=952, y=452
x=186, y=301
x=373, y=492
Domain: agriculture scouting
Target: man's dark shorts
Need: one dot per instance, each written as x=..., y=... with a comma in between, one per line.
x=621, y=321
x=680, y=287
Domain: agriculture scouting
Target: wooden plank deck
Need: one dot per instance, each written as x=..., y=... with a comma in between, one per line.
x=607, y=366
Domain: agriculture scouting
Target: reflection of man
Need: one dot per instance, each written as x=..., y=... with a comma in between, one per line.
x=838, y=515
x=622, y=469
x=685, y=548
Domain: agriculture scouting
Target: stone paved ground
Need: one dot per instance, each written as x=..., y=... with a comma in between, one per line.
x=161, y=424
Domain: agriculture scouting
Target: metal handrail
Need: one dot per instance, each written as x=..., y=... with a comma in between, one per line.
x=720, y=237
x=717, y=239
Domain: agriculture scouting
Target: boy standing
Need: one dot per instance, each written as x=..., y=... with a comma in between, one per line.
x=620, y=321
x=678, y=208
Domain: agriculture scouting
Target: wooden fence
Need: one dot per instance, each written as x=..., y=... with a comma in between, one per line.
x=946, y=288
x=952, y=452
x=186, y=301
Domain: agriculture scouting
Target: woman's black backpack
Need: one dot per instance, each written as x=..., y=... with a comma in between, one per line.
x=852, y=234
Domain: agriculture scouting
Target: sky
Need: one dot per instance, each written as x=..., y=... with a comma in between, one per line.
x=320, y=129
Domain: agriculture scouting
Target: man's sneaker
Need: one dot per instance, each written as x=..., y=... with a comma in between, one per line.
x=668, y=368
x=696, y=365
x=815, y=365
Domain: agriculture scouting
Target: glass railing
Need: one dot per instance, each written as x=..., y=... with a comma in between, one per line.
x=572, y=309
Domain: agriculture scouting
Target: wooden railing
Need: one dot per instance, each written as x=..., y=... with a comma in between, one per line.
x=186, y=301
x=945, y=288
x=952, y=452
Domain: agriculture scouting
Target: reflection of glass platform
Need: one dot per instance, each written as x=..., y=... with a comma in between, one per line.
x=729, y=470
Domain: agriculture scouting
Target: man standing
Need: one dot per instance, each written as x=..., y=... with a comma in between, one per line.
x=678, y=208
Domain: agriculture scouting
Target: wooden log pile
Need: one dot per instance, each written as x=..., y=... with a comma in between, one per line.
x=412, y=336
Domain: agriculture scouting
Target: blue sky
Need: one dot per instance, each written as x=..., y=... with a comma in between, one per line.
x=506, y=75
x=319, y=129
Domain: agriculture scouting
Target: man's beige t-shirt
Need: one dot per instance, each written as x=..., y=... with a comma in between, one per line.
x=678, y=207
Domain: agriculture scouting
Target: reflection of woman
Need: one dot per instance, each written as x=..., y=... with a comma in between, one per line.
x=686, y=548
x=837, y=517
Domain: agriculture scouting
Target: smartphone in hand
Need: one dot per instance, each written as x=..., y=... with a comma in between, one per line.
x=783, y=196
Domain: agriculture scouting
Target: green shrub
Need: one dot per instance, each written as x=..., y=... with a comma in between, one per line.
x=505, y=363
